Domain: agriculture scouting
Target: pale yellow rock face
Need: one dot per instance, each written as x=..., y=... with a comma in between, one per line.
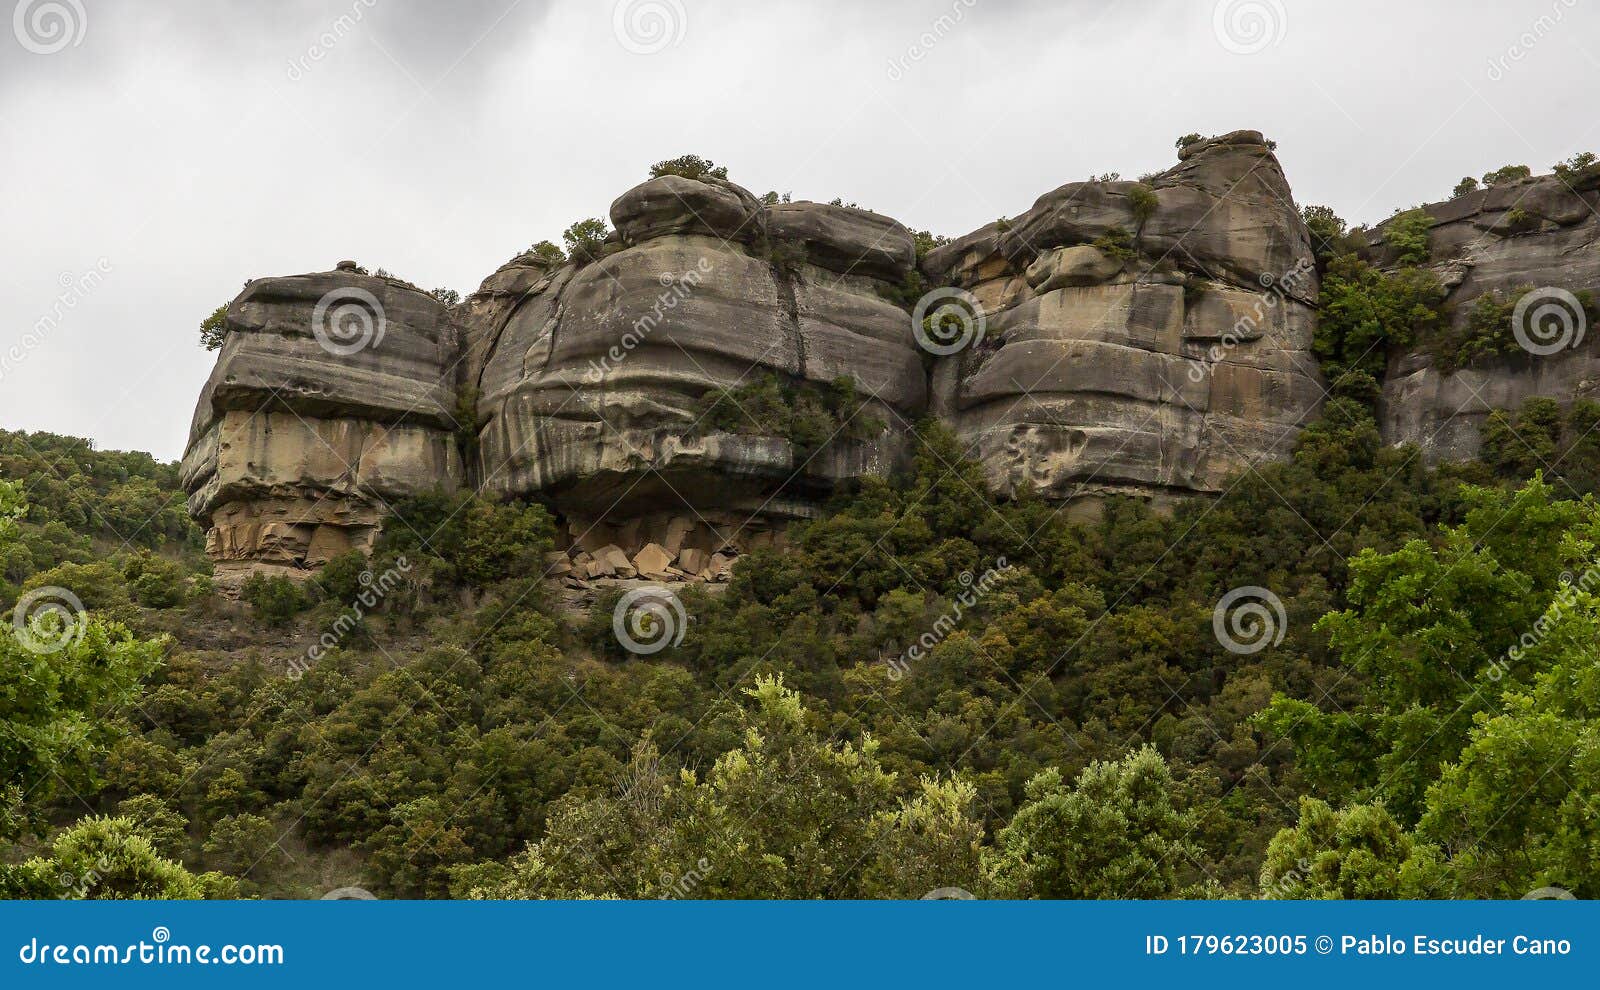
x=297, y=450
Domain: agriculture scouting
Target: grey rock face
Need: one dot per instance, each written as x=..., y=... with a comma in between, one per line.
x=1160, y=372
x=1156, y=362
x=590, y=384
x=1476, y=249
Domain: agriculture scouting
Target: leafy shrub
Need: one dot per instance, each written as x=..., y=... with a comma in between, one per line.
x=465, y=539
x=689, y=167
x=214, y=328
x=548, y=253
x=1579, y=170
x=1117, y=243
x=1188, y=140
x=808, y=415
x=1507, y=174
x=1467, y=185
x=585, y=239
x=275, y=599
x=1328, y=235
x=1142, y=199
x=1363, y=312
x=154, y=581
x=1407, y=233
x=449, y=297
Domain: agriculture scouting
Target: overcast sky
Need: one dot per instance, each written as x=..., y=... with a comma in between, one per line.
x=155, y=155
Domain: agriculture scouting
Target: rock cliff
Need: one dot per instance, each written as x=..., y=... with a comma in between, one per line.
x=1149, y=338
x=1542, y=234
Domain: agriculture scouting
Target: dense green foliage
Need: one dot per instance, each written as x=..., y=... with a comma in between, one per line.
x=585, y=239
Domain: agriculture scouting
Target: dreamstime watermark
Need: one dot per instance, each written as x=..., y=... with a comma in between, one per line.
x=1549, y=320
x=48, y=620
x=1550, y=894
x=349, y=894
x=948, y=321
x=645, y=27
x=1278, y=289
x=373, y=591
x=45, y=27
x=342, y=27
x=1248, y=620
x=972, y=592
x=676, y=289
x=927, y=40
x=348, y=320
x=74, y=290
x=684, y=886
x=1529, y=39
x=1566, y=601
x=949, y=894
x=159, y=951
x=648, y=620
x=76, y=887
x=1246, y=27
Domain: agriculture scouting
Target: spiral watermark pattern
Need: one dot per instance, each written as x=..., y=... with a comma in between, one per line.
x=348, y=320
x=949, y=894
x=45, y=27
x=349, y=894
x=947, y=321
x=48, y=620
x=645, y=27
x=1248, y=620
x=1550, y=894
x=648, y=620
x=1549, y=320
x=160, y=934
x=1246, y=27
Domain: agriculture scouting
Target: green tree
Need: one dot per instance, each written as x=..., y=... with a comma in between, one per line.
x=214, y=328
x=689, y=167
x=108, y=859
x=1358, y=853
x=1117, y=833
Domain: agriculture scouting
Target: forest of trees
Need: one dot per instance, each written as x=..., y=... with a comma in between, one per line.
x=1428, y=724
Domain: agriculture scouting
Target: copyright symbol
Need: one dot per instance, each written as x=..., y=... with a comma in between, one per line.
x=1324, y=944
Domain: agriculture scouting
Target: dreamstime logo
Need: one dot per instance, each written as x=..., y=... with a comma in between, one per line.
x=1246, y=27
x=349, y=894
x=1275, y=291
x=341, y=27
x=74, y=290
x=675, y=289
x=1247, y=620
x=1567, y=600
x=373, y=591
x=1550, y=894
x=648, y=620
x=50, y=26
x=1541, y=28
x=684, y=886
x=48, y=620
x=919, y=49
x=972, y=592
x=348, y=320
x=1549, y=320
x=947, y=321
x=949, y=894
x=645, y=27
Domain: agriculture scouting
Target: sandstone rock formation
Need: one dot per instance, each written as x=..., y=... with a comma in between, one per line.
x=1154, y=349
x=1144, y=339
x=1537, y=233
x=332, y=395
